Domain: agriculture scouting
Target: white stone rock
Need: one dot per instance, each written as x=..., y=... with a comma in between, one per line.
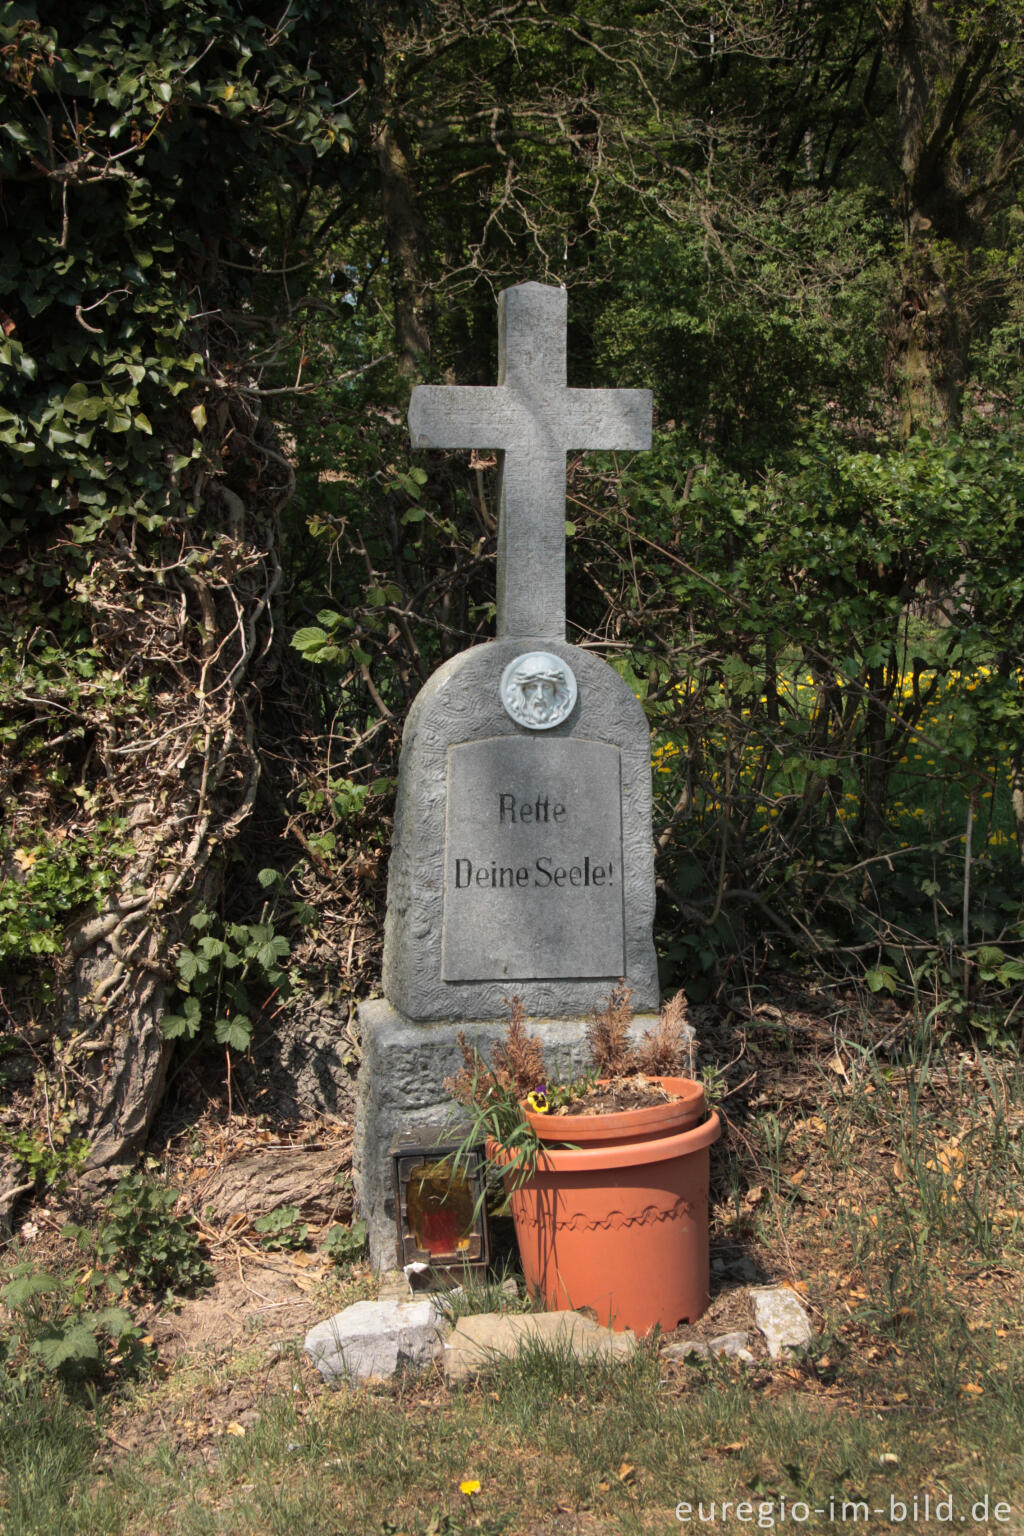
x=685, y=1349
x=371, y=1340
x=732, y=1344
x=782, y=1318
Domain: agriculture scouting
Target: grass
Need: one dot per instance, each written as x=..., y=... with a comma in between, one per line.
x=46, y=1449
x=888, y=1189
x=487, y=1292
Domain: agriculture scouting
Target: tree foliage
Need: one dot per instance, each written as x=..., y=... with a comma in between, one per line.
x=797, y=224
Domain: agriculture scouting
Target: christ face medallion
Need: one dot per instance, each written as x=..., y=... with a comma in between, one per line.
x=538, y=690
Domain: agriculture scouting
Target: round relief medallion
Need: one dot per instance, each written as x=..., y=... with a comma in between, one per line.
x=538, y=690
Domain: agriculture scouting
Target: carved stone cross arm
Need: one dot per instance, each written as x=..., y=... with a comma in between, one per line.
x=533, y=420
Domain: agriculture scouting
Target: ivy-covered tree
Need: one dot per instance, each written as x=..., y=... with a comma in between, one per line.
x=157, y=164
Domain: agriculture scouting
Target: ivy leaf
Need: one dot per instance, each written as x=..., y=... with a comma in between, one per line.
x=86, y=407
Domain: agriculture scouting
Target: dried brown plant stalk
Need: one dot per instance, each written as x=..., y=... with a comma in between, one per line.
x=611, y=1049
x=664, y=1050
x=474, y=1080
x=519, y=1057
x=516, y=1067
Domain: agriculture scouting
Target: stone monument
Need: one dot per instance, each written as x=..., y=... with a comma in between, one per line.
x=522, y=861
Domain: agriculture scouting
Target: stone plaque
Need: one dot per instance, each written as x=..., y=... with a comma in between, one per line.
x=533, y=878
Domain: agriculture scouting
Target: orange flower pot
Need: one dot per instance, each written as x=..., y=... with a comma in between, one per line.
x=679, y=1113
x=619, y=1228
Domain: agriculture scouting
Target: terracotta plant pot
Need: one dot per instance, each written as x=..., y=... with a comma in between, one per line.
x=622, y=1229
x=679, y=1113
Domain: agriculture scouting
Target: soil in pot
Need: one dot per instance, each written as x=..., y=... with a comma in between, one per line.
x=624, y=1109
x=611, y=1094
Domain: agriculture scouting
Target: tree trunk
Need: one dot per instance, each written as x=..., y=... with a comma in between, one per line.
x=938, y=80
x=929, y=349
x=403, y=241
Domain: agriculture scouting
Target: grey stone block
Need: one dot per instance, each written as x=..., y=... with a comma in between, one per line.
x=401, y=1081
x=371, y=1340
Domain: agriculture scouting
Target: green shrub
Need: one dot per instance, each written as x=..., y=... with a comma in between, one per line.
x=58, y=1326
x=52, y=878
x=47, y=1159
x=147, y=1245
x=282, y=1228
x=215, y=976
x=345, y=1245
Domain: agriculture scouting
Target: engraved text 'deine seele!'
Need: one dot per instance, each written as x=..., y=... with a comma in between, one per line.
x=544, y=870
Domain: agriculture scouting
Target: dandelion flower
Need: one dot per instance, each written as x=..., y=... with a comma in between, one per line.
x=470, y=1485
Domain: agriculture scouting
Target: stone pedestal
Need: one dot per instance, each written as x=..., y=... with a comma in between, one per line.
x=401, y=1080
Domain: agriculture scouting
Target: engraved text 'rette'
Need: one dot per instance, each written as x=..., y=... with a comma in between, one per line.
x=539, y=810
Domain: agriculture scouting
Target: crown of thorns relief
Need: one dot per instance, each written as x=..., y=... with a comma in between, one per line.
x=538, y=690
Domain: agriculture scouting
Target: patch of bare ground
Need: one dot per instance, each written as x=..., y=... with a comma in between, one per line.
x=225, y=1353
x=223, y=1356
x=225, y=1350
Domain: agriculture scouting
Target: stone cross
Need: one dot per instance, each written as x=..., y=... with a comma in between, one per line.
x=533, y=419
